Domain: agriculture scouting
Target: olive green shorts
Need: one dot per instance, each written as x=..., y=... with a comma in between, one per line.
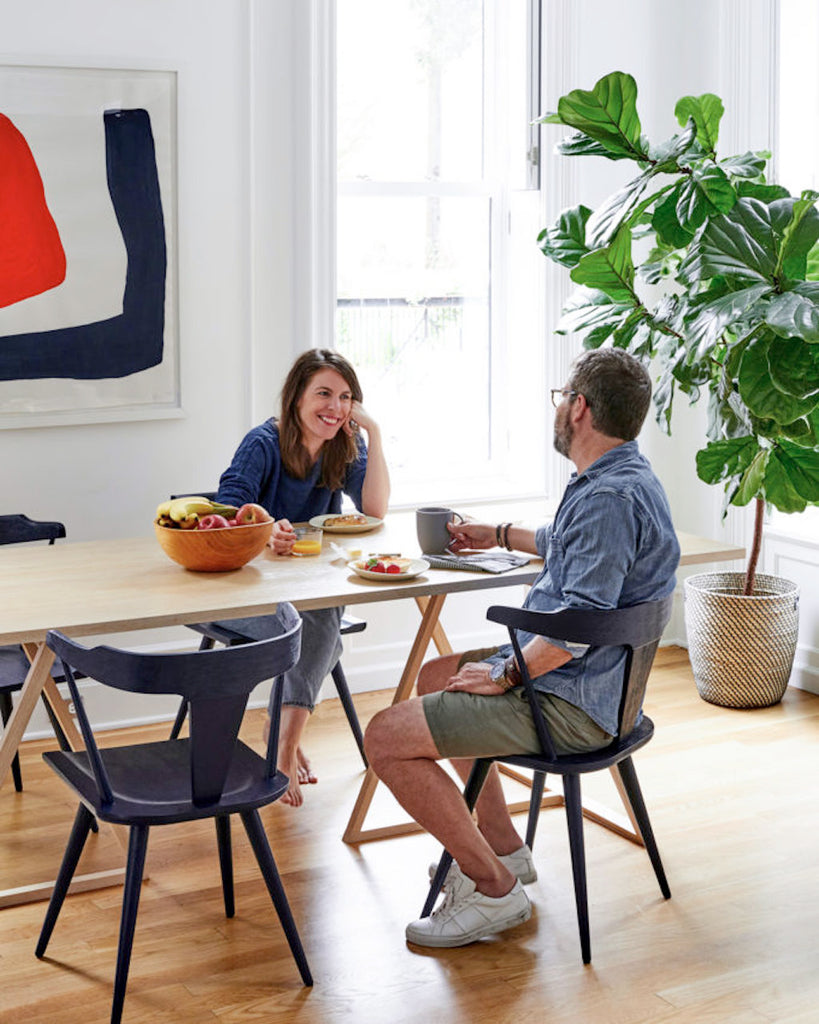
x=476, y=725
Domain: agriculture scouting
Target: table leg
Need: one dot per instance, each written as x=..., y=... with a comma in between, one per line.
x=39, y=680
x=43, y=658
x=431, y=610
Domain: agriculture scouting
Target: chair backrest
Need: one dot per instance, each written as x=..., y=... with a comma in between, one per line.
x=216, y=683
x=15, y=529
x=637, y=630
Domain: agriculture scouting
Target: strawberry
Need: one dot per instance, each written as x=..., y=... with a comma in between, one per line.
x=393, y=568
x=379, y=567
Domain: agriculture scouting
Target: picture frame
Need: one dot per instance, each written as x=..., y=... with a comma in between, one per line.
x=89, y=324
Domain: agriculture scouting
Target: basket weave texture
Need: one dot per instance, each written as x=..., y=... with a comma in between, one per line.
x=741, y=648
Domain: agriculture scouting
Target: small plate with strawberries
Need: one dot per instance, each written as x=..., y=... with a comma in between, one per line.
x=388, y=568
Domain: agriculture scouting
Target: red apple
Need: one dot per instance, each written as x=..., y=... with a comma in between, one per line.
x=251, y=513
x=232, y=522
x=212, y=522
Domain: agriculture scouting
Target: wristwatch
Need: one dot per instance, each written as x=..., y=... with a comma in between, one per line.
x=498, y=674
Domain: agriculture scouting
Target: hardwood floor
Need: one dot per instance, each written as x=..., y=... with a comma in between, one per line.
x=734, y=800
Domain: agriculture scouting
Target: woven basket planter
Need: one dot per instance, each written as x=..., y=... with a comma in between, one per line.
x=741, y=648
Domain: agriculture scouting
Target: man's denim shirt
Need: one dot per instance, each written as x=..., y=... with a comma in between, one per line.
x=612, y=544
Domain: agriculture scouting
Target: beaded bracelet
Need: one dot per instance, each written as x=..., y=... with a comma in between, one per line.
x=505, y=534
x=498, y=535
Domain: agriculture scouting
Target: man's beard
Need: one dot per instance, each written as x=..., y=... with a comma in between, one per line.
x=563, y=435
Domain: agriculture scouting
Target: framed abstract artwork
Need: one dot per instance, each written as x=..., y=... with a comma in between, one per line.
x=88, y=282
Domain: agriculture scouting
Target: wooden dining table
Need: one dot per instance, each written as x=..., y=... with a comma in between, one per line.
x=93, y=588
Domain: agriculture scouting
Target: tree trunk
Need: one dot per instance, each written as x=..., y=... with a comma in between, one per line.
x=753, y=558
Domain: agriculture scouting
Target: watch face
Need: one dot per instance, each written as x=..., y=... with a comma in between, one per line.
x=497, y=670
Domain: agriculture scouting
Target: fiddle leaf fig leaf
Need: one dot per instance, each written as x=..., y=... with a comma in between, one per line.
x=608, y=114
x=749, y=165
x=587, y=308
x=722, y=460
x=794, y=315
x=751, y=482
x=565, y=242
x=759, y=190
x=763, y=398
x=669, y=152
x=610, y=270
x=794, y=367
x=666, y=223
x=779, y=489
x=615, y=210
x=579, y=144
x=711, y=319
x=801, y=467
x=705, y=193
x=741, y=244
x=801, y=233
x=706, y=112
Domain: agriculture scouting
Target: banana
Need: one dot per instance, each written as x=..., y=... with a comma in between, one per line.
x=181, y=508
x=163, y=510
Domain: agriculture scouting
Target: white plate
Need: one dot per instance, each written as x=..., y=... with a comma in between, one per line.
x=371, y=524
x=415, y=568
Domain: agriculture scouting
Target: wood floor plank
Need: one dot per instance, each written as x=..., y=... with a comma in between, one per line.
x=734, y=805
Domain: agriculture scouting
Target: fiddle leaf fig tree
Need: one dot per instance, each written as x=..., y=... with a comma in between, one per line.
x=701, y=265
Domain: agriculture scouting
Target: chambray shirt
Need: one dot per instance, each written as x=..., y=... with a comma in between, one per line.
x=612, y=544
x=256, y=474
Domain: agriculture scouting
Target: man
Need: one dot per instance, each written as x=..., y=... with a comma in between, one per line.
x=612, y=544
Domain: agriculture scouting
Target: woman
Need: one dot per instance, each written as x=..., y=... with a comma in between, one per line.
x=297, y=467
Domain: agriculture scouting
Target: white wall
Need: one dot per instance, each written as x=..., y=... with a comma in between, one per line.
x=248, y=244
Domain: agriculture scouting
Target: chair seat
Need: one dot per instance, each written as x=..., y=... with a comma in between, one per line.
x=157, y=778
x=593, y=761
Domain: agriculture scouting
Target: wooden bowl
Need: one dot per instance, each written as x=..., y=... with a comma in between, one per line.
x=214, y=550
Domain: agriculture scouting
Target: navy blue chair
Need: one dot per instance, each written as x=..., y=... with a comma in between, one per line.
x=638, y=631
x=211, y=774
x=223, y=632
x=14, y=665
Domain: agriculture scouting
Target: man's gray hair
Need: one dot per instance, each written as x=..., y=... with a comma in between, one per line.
x=617, y=388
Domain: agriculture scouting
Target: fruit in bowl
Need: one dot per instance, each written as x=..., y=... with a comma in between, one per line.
x=198, y=534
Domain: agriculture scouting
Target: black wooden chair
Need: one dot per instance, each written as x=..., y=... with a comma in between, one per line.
x=638, y=630
x=14, y=665
x=222, y=632
x=211, y=774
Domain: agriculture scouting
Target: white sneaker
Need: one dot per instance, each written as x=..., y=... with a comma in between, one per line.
x=466, y=915
x=519, y=862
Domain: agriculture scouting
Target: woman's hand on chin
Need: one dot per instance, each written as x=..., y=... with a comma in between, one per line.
x=358, y=417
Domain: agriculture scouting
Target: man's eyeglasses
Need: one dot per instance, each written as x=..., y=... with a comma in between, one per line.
x=558, y=394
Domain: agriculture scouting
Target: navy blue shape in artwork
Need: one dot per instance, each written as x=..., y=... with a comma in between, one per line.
x=132, y=341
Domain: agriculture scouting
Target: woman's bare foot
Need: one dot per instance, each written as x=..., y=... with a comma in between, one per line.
x=291, y=759
x=305, y=772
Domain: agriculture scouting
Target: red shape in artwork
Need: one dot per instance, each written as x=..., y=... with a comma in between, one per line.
x=32, y=259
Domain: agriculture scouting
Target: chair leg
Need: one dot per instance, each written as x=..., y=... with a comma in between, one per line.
x=628, y=776
x=474, y=785
x=137, y=848
x=574, y=819
x=74, y=847
x=538, y=785
x=225, y=861
x=349, y=708
x=179, y=721
x=264, y=856
x=6, y=708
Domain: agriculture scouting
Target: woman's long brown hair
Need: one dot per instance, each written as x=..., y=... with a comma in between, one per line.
x=336, y=455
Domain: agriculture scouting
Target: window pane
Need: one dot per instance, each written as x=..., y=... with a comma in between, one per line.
x=413, y=318
x=409, y=90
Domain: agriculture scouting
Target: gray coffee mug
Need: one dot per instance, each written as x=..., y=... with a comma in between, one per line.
x=430, y=524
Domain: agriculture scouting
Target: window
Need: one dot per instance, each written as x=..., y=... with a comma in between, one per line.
x=797, y=152
x=438, y=271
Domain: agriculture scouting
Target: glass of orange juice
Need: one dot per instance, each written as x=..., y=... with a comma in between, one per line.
x=308, y=540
